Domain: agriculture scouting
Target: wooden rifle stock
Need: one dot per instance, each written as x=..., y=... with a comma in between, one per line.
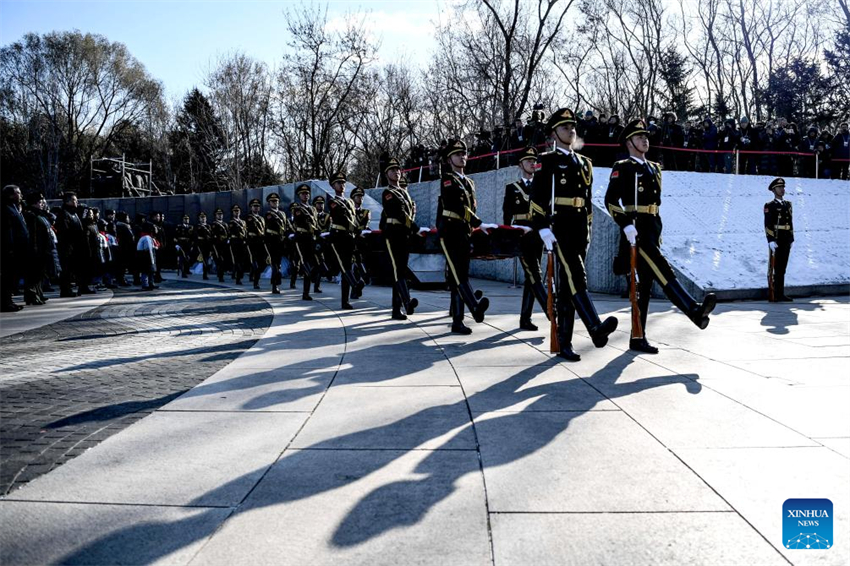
x=550, y=304
x=637, y=328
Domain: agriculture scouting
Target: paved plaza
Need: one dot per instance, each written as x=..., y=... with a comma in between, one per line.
x=208, y=424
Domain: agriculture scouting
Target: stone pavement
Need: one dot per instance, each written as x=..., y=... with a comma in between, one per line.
x=349, y=438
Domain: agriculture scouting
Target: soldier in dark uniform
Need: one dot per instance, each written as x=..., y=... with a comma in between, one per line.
x=323, y=226
x=562, y=213
x=240, y=255
x=294, y=258
x=456, y=219
x=203, y=243
x=364, y=217
x=256, y=226
x=516, y=212
x=779, y=229
x=398, y=226
x=73, y=249
x=277, y=228
x=634, y=179
x=221, y=252
x=184, y=234
x=305, y=225
x=344, y=227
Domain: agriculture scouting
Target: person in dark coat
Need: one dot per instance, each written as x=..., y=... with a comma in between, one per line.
x=44, y=261
x=73, y=248
x=840, y=148
x=709, y=142
x=126, y=247
x=728, y=142
x=14, y=252
x=672, y=136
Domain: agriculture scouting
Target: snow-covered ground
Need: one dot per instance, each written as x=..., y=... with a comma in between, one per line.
x=714, y=228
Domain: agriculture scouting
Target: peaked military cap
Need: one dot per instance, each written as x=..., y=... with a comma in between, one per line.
x=633, y=128
x=358, y=191
x=302, y=188
x=202, y=214
x=273, y=196
x=391, y=163
x=776, y=183
x=235, y=207
x=256, y=202
x=218, y=210
x=34, y=198
x=559, y=118
x=320, y=199
x=338, y=176
x=185, y=217
x=528, y=153
x=454, y=146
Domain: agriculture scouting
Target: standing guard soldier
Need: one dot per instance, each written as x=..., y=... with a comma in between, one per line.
x=220, y=249
x=256, y=226
x=323, y=227
x=184, y=235
x=240, y=255
x=364, y=217
x=343, y=230
x=277, y=228
x=562, y=213
x=305, y=225
x=203, y=242
x=294, y=257
x=398, y=226
x=456, y=219
x=633, y=199
x=779, y=229
x=516, y=211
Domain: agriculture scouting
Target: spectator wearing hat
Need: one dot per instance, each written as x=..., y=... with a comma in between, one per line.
x=240, y=256
x=809, y=146
x=277, y=230
x=728, y=142
x=672, y=135
x=305, y=225
x=344, y=228
x=562, y=213
x=840, y=147
x=747, y=141
x=15, y=250
x=398, y=226
x=323, y=226
x=456, y=218
x=611, y=135
x=221, y=250
x=515, y=212
x=43, y=261
x=709, y=143
x=203, y=243
x=256, y=226
x=779, y=229
x=184, y=236
x=633, y=199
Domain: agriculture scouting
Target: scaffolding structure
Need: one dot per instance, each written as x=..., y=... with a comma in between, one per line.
x=133, y=179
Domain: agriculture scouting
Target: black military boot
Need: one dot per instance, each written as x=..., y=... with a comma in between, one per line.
x=404, y=293
x=345, y=287
x=566, y=321
x=456, y=309
x=641, y=345
x=476, y=307
x=397, y=302
x=305, y=293
x=598, y=329
x=527, y=306
x=698, y=313
x=357, y=287
x=293, y=277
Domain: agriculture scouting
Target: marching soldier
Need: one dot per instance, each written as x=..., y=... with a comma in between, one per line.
x=184, y=234
x=779, y=229
x=305, y=225
x=516, y=212
x=277, y=227
x=344, y=227
x=562, y=213
x=633, y=200
x=398, y=226
x=203, y=242
x=456, y=219
x=240, y=255
x=220, y=250
x=294, y=258
x=364, y=217
x=256, y=226
x=323, y=227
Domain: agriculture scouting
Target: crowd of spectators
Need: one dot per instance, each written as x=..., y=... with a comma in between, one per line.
x=74, y=247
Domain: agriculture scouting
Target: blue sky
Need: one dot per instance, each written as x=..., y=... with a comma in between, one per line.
x=178, y=40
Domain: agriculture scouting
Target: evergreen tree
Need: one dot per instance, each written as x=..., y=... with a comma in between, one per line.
x=679, y=95
x=197, y=146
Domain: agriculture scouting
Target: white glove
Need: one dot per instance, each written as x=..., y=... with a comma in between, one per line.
x=325, y=234
x=525, y=229
x=548, y=238
x=772, y=246
x=424, y=230
x=292, y=236
x=177, y=247
x=486, y=226
x=364, y=232
x=631, y=233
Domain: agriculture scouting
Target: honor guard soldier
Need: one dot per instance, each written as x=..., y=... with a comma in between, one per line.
x=203, y=242
x=323, y=227
x=634, y=199
x=183, y=237
x=364, y=217
x=220, y=249
x=344, y=227
x=305, y=225
x=779, y=229
x=562, y=214
x=456, y=219
x=277, y=228
x=239, y=253
x=516, y=211
x=398, y=226
x=256, y=226
x=294, y=258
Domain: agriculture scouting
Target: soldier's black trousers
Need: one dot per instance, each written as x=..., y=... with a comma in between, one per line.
x=456, y=249
x=783, y=251
x=241, y=258
x=342, y=246
x=276, y=252
x=221, y=255
x=258, y=258
x=651, y=266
